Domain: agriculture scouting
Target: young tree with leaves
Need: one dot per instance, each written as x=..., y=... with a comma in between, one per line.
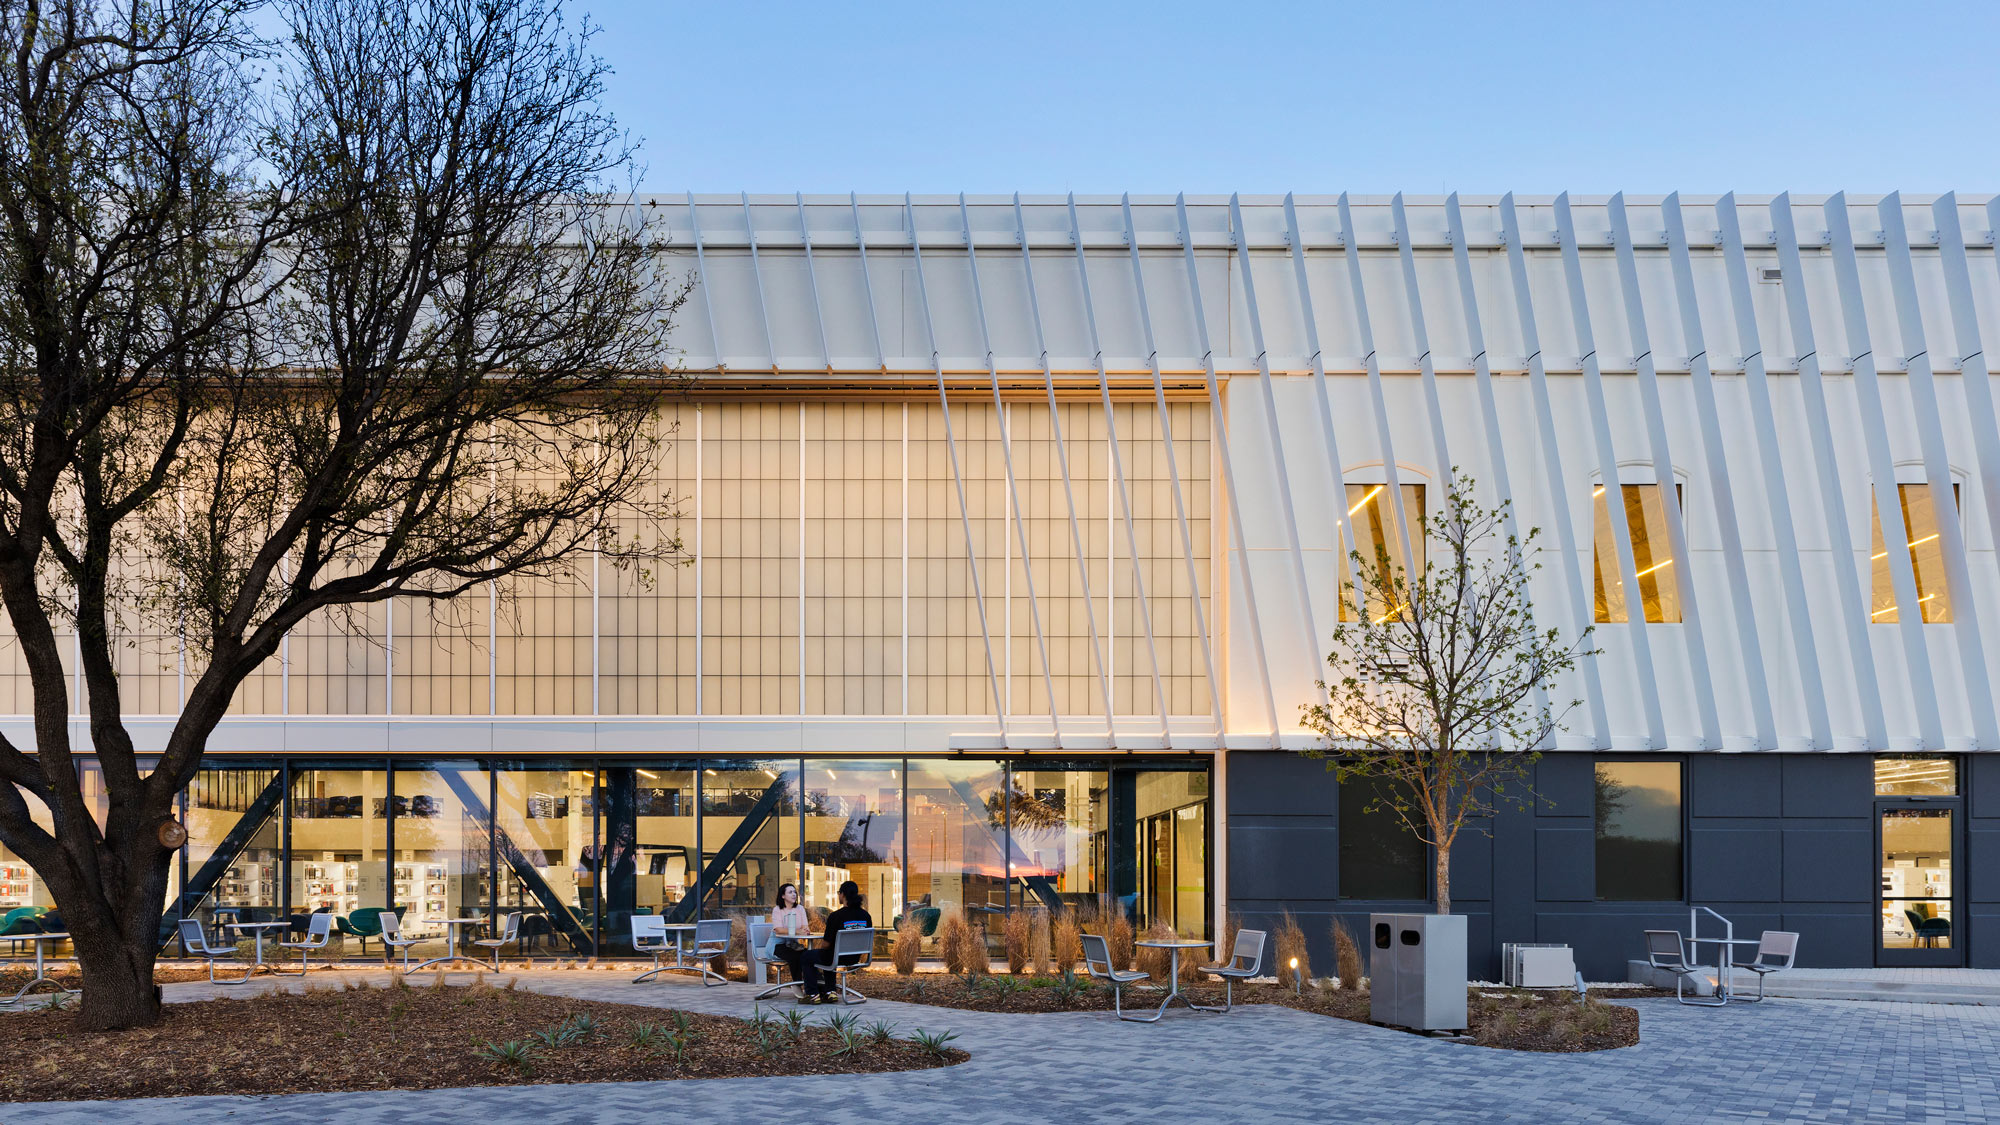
x=1440, y=688
x=290, y=328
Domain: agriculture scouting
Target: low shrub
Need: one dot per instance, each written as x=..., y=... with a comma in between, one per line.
x=1347, y=957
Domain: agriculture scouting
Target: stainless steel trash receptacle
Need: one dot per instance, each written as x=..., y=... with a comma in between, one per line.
x=1383, y=994
x=1419, y=979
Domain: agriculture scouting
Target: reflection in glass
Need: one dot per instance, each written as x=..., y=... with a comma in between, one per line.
x=1377, y=538
x=339, y=843
x=1926, y=548
x=1638, y=808
x=1061, y=835
x=219, y=802
x=749, y=833
x=1652, y=555
x=1916, y=879
x=1171, y=808
x=1380, y=858
x=956, y=823
x=646, y=817
x=1916, y=775
x=854, y=830
x=442, y=856
x=544, y=845
x=19, y=885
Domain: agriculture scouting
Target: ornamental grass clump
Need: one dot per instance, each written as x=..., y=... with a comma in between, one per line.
x=1040, y=949
x=1118, y=936
x=1067, y=940
x=1014, y=936
x=1292, y=950
x=956, y=943
x=1346, y=957
x=1154, y=962
x=907, y=944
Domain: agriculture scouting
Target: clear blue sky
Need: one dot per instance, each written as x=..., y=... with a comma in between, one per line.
x=1227, y=95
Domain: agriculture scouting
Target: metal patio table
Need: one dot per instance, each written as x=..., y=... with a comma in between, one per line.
x=1723, y=959
x=1173, y=949
x=257, y=934
x=41, y=973
x=451, y=952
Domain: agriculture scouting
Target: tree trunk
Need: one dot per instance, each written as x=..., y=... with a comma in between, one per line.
x=1442, y=871
x=118, y=988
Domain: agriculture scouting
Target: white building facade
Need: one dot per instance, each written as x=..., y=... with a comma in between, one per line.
x=1059, y=489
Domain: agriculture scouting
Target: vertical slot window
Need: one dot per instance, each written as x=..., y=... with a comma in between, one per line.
x=1652, y=555
x=1926, y=547
x=1378, y=541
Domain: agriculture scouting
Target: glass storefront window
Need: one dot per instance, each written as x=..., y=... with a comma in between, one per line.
x=20, y=887
x=646, y=821
x=957, y=811
x=1926, y=549
x=339, y=842
x=442, y=846
x=1916, y=775
x=749, y=833
x=544, y=841
x=241, y=810
x=1652, y=555
x=1060, y=834
x=1380, y=858
x=1638, y=806
x=853, y=830
x=1171, y=812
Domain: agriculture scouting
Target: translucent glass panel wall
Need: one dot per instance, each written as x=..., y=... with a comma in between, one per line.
x=853, y=558
x=750, y=568
x=1162, y=560
x=948, y=658
x=646, y=612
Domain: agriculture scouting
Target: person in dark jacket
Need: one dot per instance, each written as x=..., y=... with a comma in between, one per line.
x=851, y=915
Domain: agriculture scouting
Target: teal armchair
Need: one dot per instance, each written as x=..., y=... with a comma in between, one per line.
x=366, y=923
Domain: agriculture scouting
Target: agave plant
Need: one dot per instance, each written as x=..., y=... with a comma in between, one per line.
x=850, y=1043
x=934, y=1043
x=843, y=1022
x=645, y=1036
x=795, y=1023
x=677, y=1046
x=514, y=1053
x=882, y=1032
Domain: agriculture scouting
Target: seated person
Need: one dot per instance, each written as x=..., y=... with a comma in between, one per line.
x=819, y=982
x=790, y=917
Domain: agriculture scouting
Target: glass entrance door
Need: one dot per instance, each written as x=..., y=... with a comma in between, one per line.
x=1918, y=884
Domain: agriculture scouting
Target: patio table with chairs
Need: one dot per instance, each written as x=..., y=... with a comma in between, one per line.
x=41, y=966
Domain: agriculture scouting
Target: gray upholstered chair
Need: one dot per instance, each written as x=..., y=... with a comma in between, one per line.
x=1666, y=950
x=1776, y=949
x=853, y=951
x=1245, y=962
x=197, y=945
x=1097, y=959
x=510, y=932
x=319, y=930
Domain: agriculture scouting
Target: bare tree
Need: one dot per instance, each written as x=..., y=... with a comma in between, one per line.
x=373, y=324
x=1440, y=686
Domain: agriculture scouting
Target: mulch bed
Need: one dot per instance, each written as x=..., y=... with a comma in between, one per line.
x=1512, y=1019
x=422, y=1037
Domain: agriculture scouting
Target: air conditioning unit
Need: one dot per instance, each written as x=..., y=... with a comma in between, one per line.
x=1525, y=965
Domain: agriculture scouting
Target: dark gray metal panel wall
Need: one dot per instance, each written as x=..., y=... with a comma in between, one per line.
x=1774, y=841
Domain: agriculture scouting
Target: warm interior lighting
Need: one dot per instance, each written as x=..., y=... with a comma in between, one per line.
x=1913, y=543
x=649, y=775
x=1892, y=609
x=831, y=776
x=772, y=774
x=1653, y=568
x=1392, y=612
x=1363, y=502
x=1598, y=491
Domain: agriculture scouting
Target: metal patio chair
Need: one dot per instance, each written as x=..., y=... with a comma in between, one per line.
x=1666, y=950
x=392, y=938
x=319, y=930
x=649, y=936
x=1776, y=950
x=1245, y=962
x=711, y=939
x=510, y=932
x=197, y=945
x=1097, y=959
x=761, y=946
x=853, y=951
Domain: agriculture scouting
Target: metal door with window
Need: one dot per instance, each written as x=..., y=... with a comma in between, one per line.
x=1918, y=821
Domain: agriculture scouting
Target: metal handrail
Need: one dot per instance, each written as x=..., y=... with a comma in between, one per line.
x=1724, y=951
